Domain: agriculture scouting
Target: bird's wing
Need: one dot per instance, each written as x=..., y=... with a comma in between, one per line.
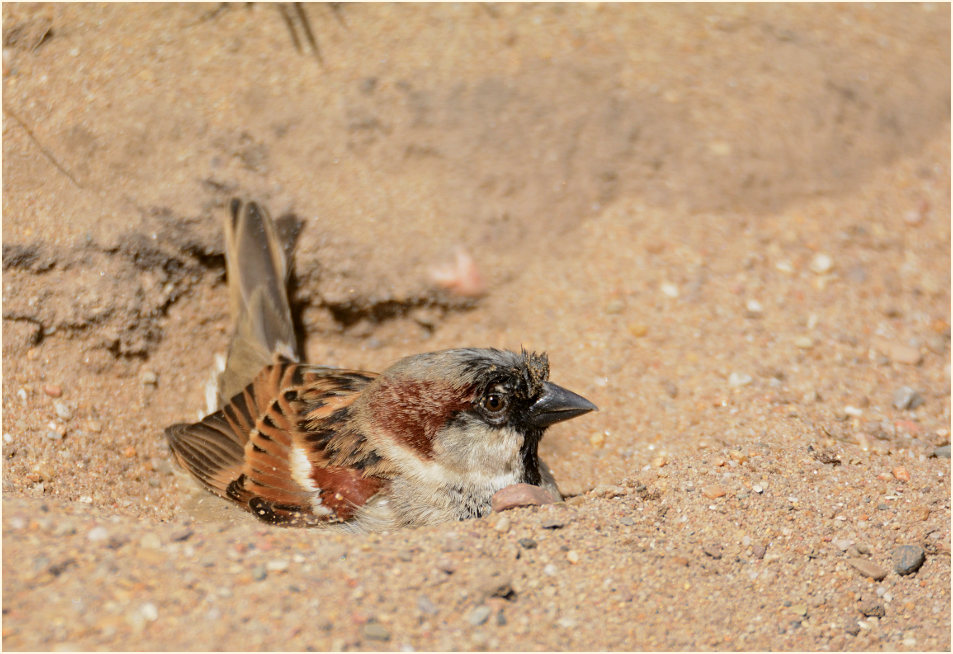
x=283, y=447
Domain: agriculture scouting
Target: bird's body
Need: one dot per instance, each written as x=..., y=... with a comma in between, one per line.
x=429, y=440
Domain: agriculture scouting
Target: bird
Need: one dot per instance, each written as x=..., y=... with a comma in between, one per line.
x=429, y=440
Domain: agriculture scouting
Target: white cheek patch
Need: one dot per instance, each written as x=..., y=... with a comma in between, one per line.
x=301, y=470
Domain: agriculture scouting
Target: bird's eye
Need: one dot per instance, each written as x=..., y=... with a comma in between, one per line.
x=494, y=403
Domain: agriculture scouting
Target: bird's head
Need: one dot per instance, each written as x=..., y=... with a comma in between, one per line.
x=478, y=413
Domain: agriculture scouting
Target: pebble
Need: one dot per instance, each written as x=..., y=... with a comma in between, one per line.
x=527, y=543
x=821, y=263
x=714, y=491
x=872, y=609
x=258, y=573
x=502, y=525
x=898, y=352
x=55, y=432
x=375, y=631
x=942, y=452
x=446, y=565
x=906, y=397
x=94, y=426
x=669, y=289
x=868, y=568
x=572, y=556
x=737, y=379
x=758, y=488
x=151, y=540
x=713, y=550
x=804, y=342
x=149, y=611
x=907, y=559
x=553, y=522
x=62, y=410
x=900, y=473
x=479, y=615
x=754, y=308
x=627, y=521
x=149, y=378
x=97, y=534
x=277, y=565
x=53, y=390
x=550, y=570
x=758, y=551
x=426, y=606
x=517, y=495
x=615, y=306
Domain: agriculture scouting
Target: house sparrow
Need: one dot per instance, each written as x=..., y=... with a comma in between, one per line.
x=429, y=440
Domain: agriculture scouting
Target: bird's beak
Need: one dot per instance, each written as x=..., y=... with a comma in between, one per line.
x=557, y=404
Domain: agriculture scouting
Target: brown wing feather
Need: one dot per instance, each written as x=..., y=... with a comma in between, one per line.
x=244, y=452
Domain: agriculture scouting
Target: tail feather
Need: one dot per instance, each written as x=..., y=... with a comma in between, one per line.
x=257, y=269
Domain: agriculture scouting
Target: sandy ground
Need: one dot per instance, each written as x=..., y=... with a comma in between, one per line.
x=729, y=226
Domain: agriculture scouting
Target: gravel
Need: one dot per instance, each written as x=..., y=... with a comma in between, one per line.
x=907, y=559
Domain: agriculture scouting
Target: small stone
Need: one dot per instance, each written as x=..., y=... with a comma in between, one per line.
x=95, y=426
x=375, y=631
x=754, y=308
x=714, y=550
x=614, y=307
x=942, y=452
x=872, y=608
x=597, y=439
x=62, y=410
x=149, y=612
x=258, y=573
x=804, y=342
x=853, y=628
x=550, y=570
x=714, y=491
x=638, y=329
x=151, y=541
x=758, y=488
x=446, y=565
x=821, y=263
x=7, y=438
x=669, y=289
x=527, y=543
x=97, y=534
x=627, y=521
x=900, y=473
x=426, y=606
x=149, y=378
x=517, y=495
x=898, y=352
x=868, y=568
x=906, y=398
x=52, y=390
x=55, y=432
x=553, y=522
x=277, y=565
x=758, y=551
x=737, y=379
x=572, y=556
x=843, y=544
x=907, y=559
x=479, y=615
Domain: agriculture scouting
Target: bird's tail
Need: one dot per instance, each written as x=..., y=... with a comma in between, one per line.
x=258, y=268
